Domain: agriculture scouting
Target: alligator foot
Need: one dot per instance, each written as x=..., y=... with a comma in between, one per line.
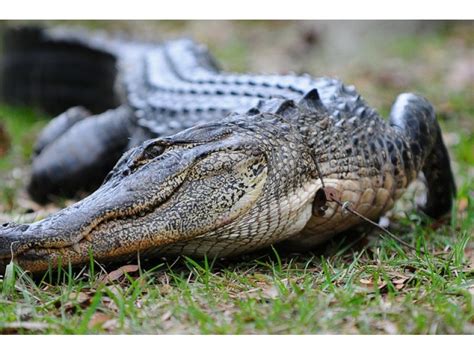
x=75, y=152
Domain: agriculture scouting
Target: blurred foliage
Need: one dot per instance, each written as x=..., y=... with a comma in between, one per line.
x=22, y=125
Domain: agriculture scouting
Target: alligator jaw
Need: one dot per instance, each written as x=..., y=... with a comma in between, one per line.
x=148, y=202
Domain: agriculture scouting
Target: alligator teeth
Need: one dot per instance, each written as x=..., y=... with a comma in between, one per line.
x=76, y=248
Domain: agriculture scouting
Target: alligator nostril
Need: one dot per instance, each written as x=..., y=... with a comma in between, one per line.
x=5, y=224
x=23, y=227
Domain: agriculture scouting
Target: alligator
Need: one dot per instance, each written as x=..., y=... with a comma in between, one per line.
x=147, y=90
x=266, y=159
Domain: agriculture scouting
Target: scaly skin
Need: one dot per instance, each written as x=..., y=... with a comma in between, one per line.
x=243, y=183
x=162, y=88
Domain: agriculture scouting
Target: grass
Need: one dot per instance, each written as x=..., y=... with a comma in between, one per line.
x=23, y=124
x=373, y=287
x=355, y=284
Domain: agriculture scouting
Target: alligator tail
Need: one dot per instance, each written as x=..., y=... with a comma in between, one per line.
x=55, y=73
x=415, y=117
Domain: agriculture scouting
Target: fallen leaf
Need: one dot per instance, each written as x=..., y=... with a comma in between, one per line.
x=167, y=315
x=400, y=281
x=4, y=140
x=370, y=283
x=110, y=304
x=98, y=319
x=117, y=274
x=270, y=292
x=110, y=324
x=81, y=299
x=462, y=205
x=387, y=326
x=14, y=327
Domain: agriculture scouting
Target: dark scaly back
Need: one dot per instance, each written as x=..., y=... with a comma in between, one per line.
x=348, y=148
x=184, y=87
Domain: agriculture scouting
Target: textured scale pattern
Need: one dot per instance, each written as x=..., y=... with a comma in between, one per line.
x=169, y=87
x=229, y=184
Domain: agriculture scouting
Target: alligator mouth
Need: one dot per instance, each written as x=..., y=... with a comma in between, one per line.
x=180, y=197
x=137, y=218
x=30, y=242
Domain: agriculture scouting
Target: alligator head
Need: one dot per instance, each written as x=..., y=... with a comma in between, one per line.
x=221, y=188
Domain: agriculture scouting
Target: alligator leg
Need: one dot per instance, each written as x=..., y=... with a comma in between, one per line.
x=58, y=126
x=79, y=158
x=414, y=116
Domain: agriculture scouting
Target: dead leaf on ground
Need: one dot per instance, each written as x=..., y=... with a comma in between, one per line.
x=462, y=205
x=387, y=327
x=117, y=274
x=98, y=319
x=369, y=283
x=4, y=140
x=166, y=316
x=14, y=327
x=270, y=292
x=81, y=299
x=110, y=304
x=265, y=290
x=110, y=324
x=400, y=283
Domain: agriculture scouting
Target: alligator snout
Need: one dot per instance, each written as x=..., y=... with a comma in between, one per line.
x=10, y=238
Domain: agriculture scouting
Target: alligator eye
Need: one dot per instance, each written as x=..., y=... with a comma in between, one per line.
x=147, y=152
x=143, y=154
x=152, y=151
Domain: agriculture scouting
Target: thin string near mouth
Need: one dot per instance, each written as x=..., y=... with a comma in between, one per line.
x=13, y=254
x=55, y=239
